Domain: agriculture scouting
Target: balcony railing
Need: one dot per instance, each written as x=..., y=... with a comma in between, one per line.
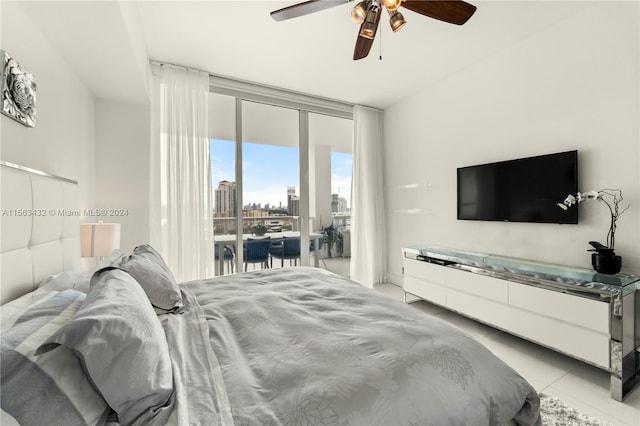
x=228, y=225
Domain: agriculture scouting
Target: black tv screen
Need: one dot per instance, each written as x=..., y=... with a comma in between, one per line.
x=522, y=190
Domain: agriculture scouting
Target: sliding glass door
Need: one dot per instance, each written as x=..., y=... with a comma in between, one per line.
x=271, y=192
x=330, y=146
x=283, y=171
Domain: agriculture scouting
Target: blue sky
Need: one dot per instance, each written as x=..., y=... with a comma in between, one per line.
x=268, y=170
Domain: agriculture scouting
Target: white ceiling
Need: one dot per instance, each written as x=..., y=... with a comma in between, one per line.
x=109, y=43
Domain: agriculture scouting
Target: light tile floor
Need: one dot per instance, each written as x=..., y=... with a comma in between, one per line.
x=579, y=385
x=337, y=265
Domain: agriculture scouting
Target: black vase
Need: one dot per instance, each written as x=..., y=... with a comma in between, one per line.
x=606, y=264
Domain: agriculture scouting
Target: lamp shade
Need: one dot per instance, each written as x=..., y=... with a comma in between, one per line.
x=359, y=12
x=397, y=21
x=99, y=239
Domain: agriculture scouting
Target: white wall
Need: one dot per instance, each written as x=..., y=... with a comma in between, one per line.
x=62, y=142
x=122, y=167
x=573, y=86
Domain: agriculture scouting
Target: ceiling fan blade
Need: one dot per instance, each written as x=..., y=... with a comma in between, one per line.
x=453, y=11
x=363, y=44
x=305, y=8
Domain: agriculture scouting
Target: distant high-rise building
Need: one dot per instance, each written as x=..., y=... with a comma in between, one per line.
x=226, y=199
x=338, y=204
x=293, y=201
x=294, y=206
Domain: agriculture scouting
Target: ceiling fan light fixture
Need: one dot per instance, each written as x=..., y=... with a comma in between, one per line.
x=392, y=5
x=396, y=21
x=359, y=12
x=367, y=14
x=368, y=29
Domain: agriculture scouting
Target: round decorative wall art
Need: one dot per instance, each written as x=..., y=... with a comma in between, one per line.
x=18, y=91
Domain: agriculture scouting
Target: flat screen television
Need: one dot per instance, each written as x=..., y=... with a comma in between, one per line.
x=522, y=190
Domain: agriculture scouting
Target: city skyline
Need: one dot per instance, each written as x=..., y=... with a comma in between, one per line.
x=269, y=170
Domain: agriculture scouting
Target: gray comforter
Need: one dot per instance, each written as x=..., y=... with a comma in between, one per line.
x=303, y=346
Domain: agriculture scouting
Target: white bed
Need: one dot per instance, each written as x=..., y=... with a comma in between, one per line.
x=129, y=345
x=38, y=238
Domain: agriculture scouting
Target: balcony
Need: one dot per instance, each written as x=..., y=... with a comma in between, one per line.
x=339, y=264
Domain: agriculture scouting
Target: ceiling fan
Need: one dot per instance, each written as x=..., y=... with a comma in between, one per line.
x=367, y=14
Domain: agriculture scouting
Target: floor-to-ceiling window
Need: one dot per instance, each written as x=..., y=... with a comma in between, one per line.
x=278, y=166
x=271, y=178
x=271, y=163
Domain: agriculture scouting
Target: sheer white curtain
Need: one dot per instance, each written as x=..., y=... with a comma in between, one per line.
x=181, y=206
x=368, y=235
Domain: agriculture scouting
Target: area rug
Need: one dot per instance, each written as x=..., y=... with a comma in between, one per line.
x=556, y=413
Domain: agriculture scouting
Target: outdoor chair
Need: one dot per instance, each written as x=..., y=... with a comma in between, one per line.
x=257, y=251
x=288, y=249
x=227, y=256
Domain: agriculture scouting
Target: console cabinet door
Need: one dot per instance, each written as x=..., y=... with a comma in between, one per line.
x=581, y=311
x=425, y=280
x=478, y=285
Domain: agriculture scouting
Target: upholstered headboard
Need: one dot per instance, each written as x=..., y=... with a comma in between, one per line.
x=40, y=228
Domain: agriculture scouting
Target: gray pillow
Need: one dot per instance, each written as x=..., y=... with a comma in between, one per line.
x=150, y=270
x=79, y=280
x=75, y=280
x=121, y=344
x=53, y=387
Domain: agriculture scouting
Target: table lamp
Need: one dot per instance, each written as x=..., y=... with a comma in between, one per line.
x=99, y=239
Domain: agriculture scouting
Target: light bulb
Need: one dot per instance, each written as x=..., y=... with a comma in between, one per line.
x=392, y=5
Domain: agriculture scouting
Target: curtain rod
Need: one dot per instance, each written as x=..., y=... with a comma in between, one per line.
x=163, y=63
x=225, y=82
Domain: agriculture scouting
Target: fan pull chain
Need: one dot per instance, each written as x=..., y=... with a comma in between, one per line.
x=380, y=41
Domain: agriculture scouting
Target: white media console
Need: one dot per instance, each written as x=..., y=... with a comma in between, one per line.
x=579, y=312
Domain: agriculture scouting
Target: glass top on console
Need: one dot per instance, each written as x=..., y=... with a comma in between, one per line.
x=530, y=268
